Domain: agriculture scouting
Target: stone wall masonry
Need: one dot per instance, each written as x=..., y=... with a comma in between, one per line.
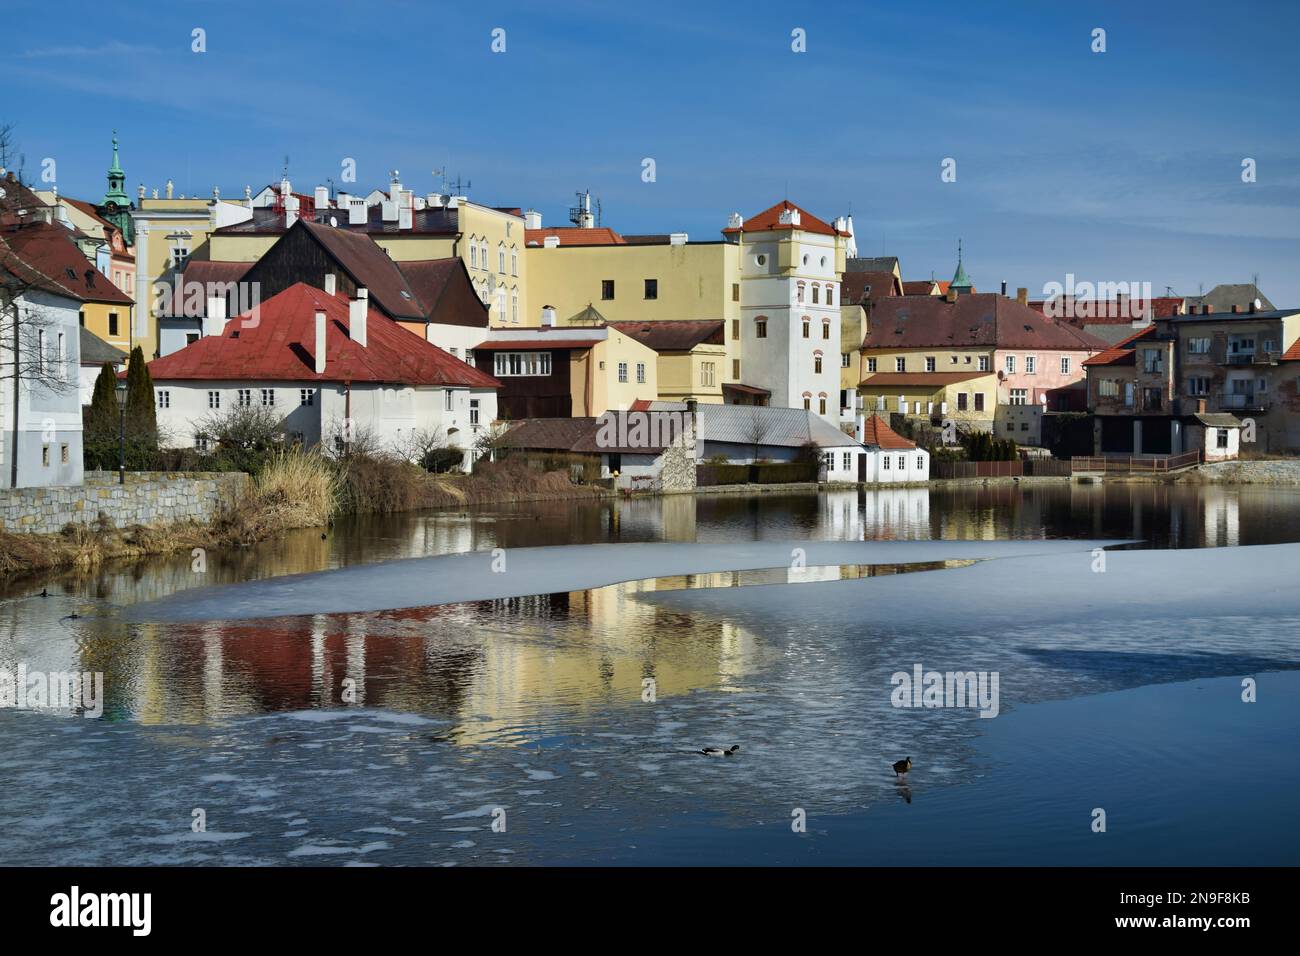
x=147, y=498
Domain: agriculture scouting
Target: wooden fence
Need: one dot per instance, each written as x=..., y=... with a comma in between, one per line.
x=1128, y=465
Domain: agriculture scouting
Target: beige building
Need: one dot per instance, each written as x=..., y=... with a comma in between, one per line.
x=692, y=357
x=966, y=398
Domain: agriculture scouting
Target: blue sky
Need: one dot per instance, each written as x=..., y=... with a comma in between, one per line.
x=1115, y=166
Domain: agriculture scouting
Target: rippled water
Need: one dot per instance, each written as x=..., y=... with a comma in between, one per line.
x=535, y=704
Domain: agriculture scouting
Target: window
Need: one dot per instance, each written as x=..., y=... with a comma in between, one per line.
x=191, y=338
x=817, y=364
x=449, y=400
x=201, y=442
x=40, y=350
x=902, y=462
x=63, y=454
x=1221, y=439
x=1108, y=388
x=900, y=364
x=455, y=352
x=929, y=363
x=245, y=398
x=652, y=288
x=521, y=364
x=501, y=302
x=1065, y=365
x=1011, y=365
x=846, y=460
x=473, y=411
x=885, y=460
x=826, y=328
x=707, y=373
x=830, y=296
x=798, y=293
x=180, y=253
x=514, y=260
x=735, y=328
x=268, y=398
x=984, y=363
x=807, y=403
x=640, y=373
x=1031, y=364
x=1020, y=396
x=214, y=399
x=61, y=357
x=821, y=405
x=806, y=325
x=760, y=328
x=844, y=359
x=164, y=398
x=81, y=318
x=735, y=292
x=45, y=455
x=979, y=401
x=473, y=253
x=1011, y=426
x=306, y=396
x=501, y=258
x=1198, y=346
x=735, y=369
x=1153, y=360
x=961, y=401
x=1198, y=385
x=871, y=365
x=920, y=461
x=607, y=289
x=815, y=293
x=622, y=371
x=514, y=305
x=1024, y=426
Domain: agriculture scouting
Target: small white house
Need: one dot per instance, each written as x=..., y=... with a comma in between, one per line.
x=891, y=459
x=330, y=368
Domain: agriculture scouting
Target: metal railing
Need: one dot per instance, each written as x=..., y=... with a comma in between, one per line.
x=1130, y=465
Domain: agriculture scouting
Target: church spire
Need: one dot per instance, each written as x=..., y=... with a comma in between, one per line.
x=116, y=205
x=960, y=281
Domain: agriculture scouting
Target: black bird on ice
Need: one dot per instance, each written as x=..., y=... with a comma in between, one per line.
x=720, y=751
x=901, y=767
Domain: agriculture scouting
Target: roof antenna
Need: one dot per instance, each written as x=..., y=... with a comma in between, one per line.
x=285, y=174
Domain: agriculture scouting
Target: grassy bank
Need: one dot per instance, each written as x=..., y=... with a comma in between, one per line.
x=291, y=490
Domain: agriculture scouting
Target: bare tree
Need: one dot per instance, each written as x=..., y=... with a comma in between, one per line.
x=8, y=146
x=756, y=429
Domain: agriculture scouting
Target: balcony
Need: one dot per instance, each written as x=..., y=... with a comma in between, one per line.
x=1240, y=401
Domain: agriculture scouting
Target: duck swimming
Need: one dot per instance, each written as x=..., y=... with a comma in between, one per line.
x=902, y=766
x=720, y=751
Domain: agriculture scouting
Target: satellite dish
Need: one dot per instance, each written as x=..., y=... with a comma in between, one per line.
x=334, y=221
x=1258, y=303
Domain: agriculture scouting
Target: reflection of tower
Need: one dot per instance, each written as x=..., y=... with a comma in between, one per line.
x=356, y=657
x=319, y=675
x=213, y=669
x=1222, y=518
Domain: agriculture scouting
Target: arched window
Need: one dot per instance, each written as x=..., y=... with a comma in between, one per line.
x=807, y=323
x=473, y=252
x=830, y=294
x=826, y=328
x=501, y=301
x=514, y=260
x=514, y=305
x=817, y=362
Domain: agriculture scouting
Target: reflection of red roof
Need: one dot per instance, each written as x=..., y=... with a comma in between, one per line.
x=280, y=347
x=769, y=220
x=575, y=236
x=876, y=432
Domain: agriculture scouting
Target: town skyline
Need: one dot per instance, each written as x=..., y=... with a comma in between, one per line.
x=1155, y=198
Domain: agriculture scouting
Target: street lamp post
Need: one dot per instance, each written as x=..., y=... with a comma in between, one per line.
x=121, y=433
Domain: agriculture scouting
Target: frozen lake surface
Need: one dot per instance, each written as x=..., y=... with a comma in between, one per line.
x=1118, y=689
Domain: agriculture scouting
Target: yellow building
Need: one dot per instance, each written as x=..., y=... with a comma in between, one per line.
x=963, y=397
x=639, y=279
x=692, y=357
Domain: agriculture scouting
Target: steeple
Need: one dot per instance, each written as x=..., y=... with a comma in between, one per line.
x=960, y=282
x=116, y=206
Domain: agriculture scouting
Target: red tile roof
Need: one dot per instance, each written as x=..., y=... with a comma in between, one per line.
x=1079, y=312
x=919, y=287
x=769, y=221
x=876, y=432
x=280, y=347
x=575, y=236
x=48, y=249
x=1293, y=353
x=978, y=319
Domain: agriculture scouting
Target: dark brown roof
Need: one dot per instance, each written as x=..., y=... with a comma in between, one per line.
x=671, y=335
x=546, y=434
x=49, y=250
x=369, y=266
x=206, y=271
x=980, y=319
x=876, y=285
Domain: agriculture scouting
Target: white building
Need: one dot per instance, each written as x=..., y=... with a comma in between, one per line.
x=333, y=368
x=891, y=459
x=789, y=304
x=42, y=442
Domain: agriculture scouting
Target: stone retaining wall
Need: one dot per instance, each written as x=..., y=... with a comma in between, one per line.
x=149, y=498
x=1279, y=471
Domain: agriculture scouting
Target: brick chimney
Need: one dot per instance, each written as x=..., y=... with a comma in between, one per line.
x=952, y=294
x=1236, y=309
x=1022, y=296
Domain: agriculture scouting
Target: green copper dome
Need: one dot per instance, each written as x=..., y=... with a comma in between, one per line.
x=116, y=205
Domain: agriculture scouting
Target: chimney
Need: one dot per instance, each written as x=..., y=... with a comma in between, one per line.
x=1254, y=306
x=532, y=219
x=320, y=342
x=1236, y=308
x=389, y=210
x=322, y=197
x=358, y=214
x=290, y=210
x=358, y=312
x=735, y=221
x=548, y=316
x=1200, y=406
x=1004, y=288
x=331, y=283
x=1205, y=308
x=341, y=200
x=551, y=242
x=952, y=294
x=433, y=200
x=678, y=239
x=214, y=322
x=405, y=214
x=1022, y=295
